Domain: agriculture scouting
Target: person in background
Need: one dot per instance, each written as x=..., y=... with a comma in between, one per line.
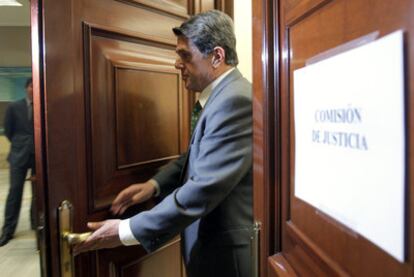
x=207, y=192
x=18, y=128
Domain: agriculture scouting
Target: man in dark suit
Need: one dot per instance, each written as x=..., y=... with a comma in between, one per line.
x=18, y=128
x=207, y=192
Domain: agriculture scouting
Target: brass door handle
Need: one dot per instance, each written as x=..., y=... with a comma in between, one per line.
x=68, y=239
x=75, y=238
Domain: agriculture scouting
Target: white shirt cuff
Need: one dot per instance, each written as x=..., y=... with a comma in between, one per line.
x=157, y=187
x=125, y=233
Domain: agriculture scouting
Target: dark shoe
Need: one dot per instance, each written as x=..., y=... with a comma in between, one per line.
x=4, y=239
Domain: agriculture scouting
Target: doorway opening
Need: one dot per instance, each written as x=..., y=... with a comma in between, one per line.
x=15, y=71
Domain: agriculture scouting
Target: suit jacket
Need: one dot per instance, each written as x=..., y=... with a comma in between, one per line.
x=214, y=193
x=19, y=130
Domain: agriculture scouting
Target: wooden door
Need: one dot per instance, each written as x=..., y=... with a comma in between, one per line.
x=297, y=239
x=110, y=109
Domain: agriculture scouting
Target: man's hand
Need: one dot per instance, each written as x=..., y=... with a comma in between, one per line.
x=132, y=195
x=105, y=235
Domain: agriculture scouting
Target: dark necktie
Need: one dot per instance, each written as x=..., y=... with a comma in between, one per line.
x=195, y=115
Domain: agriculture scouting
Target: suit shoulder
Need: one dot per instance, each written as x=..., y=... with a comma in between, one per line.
x=239, y=88
x=233, y=98
x=18, y=103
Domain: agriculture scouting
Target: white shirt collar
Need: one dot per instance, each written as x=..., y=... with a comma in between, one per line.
x=205, y=94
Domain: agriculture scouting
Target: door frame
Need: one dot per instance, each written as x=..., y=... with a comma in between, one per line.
x=266, y=129
x=36, y=30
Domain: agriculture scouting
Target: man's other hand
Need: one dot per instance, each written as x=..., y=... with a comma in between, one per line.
x=134, y=194
x=105, y=235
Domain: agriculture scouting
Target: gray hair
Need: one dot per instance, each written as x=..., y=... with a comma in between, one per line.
x=208, y=30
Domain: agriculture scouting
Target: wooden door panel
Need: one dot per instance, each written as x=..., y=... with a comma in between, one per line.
x=151, y=22
x=166, y=261
x=313, y=243
x=296, y=238
x=176, y=7
x=278, y=266
x=156, y=136
x=113, y=110
x=133, y=102
x=204, y=5
x=101, y=56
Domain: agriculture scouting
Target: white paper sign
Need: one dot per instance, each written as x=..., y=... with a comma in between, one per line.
x=349, y=140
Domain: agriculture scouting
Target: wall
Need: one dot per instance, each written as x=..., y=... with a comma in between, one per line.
x=14, y=52
x=243, y=30
x=15, y=46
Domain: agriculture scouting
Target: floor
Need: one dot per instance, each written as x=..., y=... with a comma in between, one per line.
x=20, y=256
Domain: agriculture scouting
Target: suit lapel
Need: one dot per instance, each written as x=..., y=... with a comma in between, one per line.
x=24, y=112
x=234, y=75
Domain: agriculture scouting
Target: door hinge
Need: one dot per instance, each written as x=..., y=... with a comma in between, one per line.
x=257, y=226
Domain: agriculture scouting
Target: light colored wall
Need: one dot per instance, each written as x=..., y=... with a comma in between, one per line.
x=14, y=52
x=243, y=30
x=15, y=46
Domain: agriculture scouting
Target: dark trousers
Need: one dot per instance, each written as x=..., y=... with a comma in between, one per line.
x=14, y=198
x=211, y=260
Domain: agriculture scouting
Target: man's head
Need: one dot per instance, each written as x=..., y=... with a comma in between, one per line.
x=206, y=47
x=29, y=88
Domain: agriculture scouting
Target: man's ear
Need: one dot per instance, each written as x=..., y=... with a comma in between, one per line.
x=219, y=56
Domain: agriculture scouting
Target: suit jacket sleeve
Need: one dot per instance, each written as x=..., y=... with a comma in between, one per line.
x=217, y=163
x=8, y=123
x=169, y=176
